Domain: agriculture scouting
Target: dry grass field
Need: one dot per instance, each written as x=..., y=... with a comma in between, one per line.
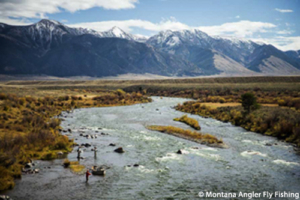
x=264, y=83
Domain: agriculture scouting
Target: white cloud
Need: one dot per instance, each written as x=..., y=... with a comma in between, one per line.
x=289, y=43
x=237, y=17
x=283, y=11
x=238, y=29
x=127, y=25
x=40, y=8
x=21, y=21
x=285, y=32
x=281, y=42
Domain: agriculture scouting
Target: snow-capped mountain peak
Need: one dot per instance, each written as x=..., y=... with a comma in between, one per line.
x=184, y=41
x=140, y=38
x=54, y=27
x=116, y=32
x=48, y=21
x=171, y=38
x=235, y=40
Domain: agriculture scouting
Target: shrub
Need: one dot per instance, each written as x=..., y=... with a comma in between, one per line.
x=73, y=103
x=5, y=159
x=22, y=101
x=249, y=102
x=54, y=123
x=120, y=92
x=62, y=143
x=6, y=180
x=18, y=127
x=3, y=96
x=281, y=102
x=222, y=100
x=63, y=98
x=49, y=156
x=6, y=107
x=30, y=99
x=77, y=168
x=74, y=97
x=189, y=121
x=66, y=163
x=74, y=165
x=40, y=136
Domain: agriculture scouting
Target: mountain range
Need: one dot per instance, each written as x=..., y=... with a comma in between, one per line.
x=52, y=48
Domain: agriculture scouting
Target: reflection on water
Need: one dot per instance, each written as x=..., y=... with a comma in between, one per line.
x=248, y=165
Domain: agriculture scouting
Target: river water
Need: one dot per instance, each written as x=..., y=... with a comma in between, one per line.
x=247, y=165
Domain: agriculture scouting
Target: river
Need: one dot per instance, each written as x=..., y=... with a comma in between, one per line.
x=247, y=165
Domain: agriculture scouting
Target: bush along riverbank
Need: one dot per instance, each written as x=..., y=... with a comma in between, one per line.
x=284, y=97
x=283, y=123
x=29, y=129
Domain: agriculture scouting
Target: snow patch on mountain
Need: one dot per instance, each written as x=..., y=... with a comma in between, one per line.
x=169, y=39
x=116, y=32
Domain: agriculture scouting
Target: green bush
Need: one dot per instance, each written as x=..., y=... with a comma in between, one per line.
x=249, y=102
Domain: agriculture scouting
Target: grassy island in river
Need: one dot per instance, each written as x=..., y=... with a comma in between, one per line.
x=194, y=136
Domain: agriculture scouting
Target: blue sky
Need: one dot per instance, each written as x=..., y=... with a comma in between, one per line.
x=270, y=21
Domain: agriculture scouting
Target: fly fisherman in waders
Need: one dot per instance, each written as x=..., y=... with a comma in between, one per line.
x=95, y=152
x=87, y=174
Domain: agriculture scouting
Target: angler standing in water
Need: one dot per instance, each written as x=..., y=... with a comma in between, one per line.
x=87, y=174
x=95, y=152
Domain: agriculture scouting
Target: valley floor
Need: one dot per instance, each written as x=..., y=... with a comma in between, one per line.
x=42, y=100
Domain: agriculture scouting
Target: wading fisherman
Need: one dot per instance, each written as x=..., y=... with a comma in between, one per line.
x=95, y=152
x=79, y=151
x=87, y=174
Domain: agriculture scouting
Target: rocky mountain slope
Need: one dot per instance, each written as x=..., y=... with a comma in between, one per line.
x=269, y=60
x=293, y=54
x=224, y=55
x=92, y=56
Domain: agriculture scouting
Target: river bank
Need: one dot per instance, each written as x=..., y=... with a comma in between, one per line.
x=29, y=129
x=282, y=123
